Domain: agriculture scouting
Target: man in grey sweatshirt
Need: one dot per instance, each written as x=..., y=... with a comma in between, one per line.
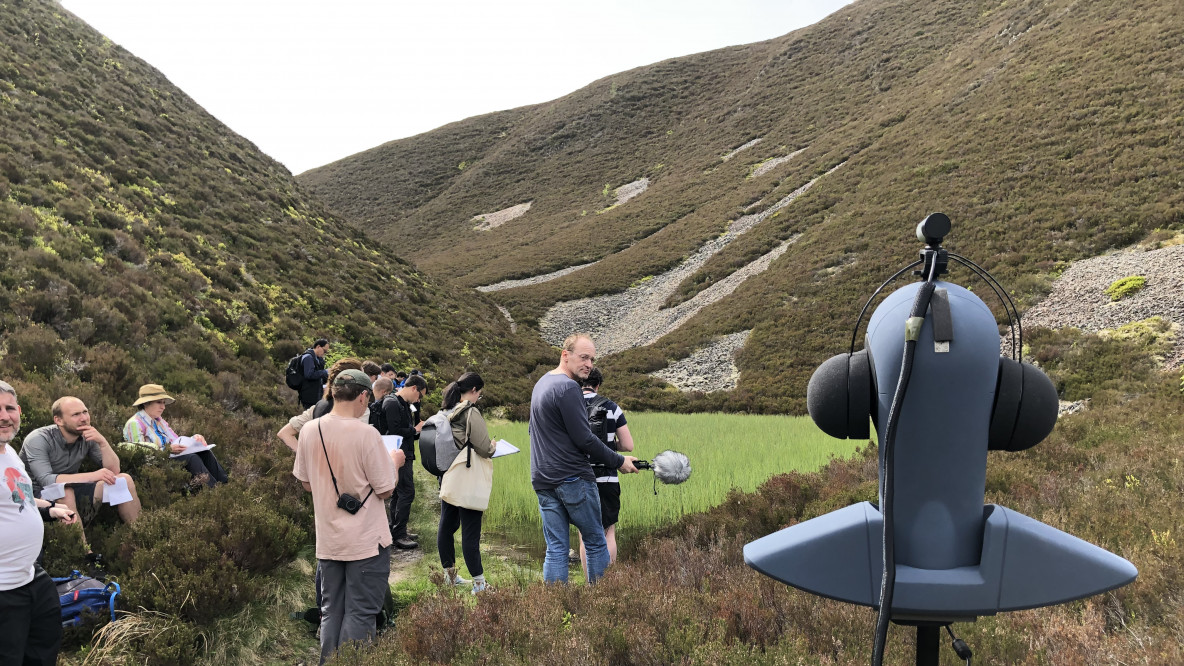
x=561, y=444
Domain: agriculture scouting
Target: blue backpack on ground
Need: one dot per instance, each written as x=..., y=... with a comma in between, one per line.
x=81, y=594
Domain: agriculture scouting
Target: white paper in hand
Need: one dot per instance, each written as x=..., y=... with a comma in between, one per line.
x=191, y=446
x=392, y=442
x=117, y=493
x=505, y=448
x=54, y=491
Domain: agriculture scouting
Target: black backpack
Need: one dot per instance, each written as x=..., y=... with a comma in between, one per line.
x=598, y=418
x=294, y=375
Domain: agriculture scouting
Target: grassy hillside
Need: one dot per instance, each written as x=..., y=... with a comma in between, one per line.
x=139, y=227
x=142, y=241
x=1048, y=130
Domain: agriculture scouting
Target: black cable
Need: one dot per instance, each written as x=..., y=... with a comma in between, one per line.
x=995, y=287
x=855, y=331
x=887, y=552
x=1017, y=325
x=960, y=647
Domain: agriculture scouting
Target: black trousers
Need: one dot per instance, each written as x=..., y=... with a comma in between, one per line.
x=204, y=462
x=31, y=623
x=469, y=522
x=401, y=504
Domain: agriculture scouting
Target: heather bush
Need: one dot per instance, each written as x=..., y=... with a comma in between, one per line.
x=160, y=480
x=34, y=349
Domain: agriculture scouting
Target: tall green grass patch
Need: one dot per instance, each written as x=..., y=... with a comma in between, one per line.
x=726, y=451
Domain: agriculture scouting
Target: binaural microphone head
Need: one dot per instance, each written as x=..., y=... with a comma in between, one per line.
x=933, y=229
x=671, y=467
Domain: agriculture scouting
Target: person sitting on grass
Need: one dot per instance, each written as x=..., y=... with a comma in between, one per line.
x=147, y=427
x=54, y=454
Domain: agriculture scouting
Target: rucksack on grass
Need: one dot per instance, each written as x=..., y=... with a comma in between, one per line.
x=82, y=594
x=294, y=375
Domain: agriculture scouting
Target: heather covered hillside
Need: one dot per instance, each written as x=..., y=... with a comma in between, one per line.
x=144, y=241
x=1049, y=130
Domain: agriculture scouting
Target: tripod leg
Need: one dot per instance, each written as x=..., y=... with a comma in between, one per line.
x=928, y=645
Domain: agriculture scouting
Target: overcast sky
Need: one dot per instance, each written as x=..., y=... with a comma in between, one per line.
x=310, y=82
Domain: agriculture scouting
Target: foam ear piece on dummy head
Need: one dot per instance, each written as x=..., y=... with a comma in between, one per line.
x=1026, y=407
x=839, y=396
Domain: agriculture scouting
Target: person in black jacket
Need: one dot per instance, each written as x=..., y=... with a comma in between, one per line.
x=312, y=367
x=401, y=421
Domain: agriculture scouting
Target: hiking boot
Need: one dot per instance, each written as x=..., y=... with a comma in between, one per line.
x=455, y=578
x=406, y=544
x=413, y=536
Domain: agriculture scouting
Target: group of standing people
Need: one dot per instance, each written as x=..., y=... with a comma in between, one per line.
x=341, y=460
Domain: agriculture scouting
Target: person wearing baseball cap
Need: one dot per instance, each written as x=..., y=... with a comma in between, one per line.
x=341, y=460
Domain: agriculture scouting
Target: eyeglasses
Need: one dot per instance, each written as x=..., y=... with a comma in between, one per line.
x=584, y=357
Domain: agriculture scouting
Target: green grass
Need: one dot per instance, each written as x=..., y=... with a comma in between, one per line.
x=726, y=451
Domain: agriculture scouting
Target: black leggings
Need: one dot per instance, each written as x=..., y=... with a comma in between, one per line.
x=469, y=522
x=204, y=462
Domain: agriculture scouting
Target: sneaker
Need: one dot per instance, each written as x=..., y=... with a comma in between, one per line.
x=455, y=578
x=413, y=536
x=405, y=544
x=479, y=586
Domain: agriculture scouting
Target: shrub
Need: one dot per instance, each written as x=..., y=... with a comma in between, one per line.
x=64, y=550
x=1123, y=287
x=111, y=369
x=34, y=349
x=197, y=559
x=160, y=481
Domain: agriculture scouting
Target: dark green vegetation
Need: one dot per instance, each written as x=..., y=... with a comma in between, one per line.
x=1048, y=130
x=142, y=241
x=1111, y=475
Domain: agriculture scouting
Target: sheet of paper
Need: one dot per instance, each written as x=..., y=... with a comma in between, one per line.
x=505, y=448
x=54, y=491
x=117, y=493
x=191, y=446
x=392, y=442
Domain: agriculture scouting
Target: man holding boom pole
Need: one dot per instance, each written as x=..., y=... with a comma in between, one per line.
x=561, y=444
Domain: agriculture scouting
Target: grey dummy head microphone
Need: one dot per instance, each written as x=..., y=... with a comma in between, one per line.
x=931, y=379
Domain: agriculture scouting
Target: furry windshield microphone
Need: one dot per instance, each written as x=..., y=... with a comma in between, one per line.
x=669, y=467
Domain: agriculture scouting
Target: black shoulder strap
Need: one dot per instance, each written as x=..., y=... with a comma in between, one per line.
x=595, y=404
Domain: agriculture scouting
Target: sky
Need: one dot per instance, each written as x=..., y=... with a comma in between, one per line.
x=310, y=82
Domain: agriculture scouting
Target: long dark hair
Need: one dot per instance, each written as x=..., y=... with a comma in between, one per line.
x=463, y=384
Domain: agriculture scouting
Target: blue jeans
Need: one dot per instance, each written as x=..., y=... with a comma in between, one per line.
x=575, y=502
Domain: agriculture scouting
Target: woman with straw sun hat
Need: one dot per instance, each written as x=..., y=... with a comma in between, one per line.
x=147, y=427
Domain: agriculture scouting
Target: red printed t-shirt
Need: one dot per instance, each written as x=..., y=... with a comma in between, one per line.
x=20, y=523
x=360, y=462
